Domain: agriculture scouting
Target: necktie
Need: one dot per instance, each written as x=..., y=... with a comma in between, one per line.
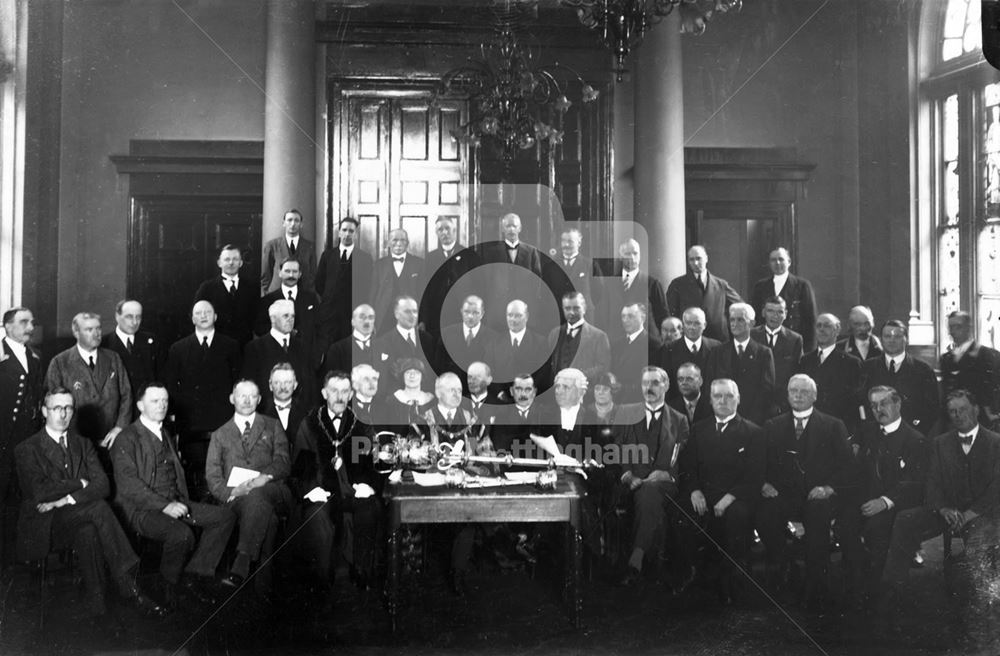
x=892, y=366
x=246, y=435
x=739, y=350
x=822, y=357
x=448, y=418
x=516, y=343
x=569, y=263
x=232, y=288
x=651, y=418
x=446, y=254
x=770, y=340
x=966, y=439
x=204, y=342
x=62, y=443
x=291, y=247
x=523, y=413
x=571, y=332
x=284, y=345
x=701, y=284
x=690, y=407
x=281, y=408
x=626, y=282
x=336, y=424
x=291, y=297
x=91, y=364
x=128, y=345
x=343, y=255
x=409, y=340
x=512, y=252
x=363, y=345
x=800, y=426
x=720, y=426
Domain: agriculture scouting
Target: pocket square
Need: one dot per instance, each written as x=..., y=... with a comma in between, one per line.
x=742, y=449
x=385, y=356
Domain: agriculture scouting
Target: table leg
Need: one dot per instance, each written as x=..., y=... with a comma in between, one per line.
x=392, y=592
x=574, y=562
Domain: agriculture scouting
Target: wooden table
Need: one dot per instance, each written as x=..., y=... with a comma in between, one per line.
x=411, y=504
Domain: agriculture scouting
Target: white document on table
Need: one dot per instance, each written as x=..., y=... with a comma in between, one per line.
x=240, y=475
x=428, y=479
x=522, y=477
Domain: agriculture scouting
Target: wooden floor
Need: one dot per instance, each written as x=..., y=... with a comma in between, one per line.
x=504, y=612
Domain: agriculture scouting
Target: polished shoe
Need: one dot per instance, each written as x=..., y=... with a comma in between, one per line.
x=632, y=576
x=233, y=580
x=147, y=606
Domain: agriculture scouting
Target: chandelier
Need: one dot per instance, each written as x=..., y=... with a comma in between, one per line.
x=510, y=97
x=623, y=23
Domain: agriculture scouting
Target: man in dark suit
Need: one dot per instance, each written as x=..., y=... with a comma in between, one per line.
x=306, y=306
x=837, y=373
x=199, y=374
x=861, y=343
x=750, y=364
x=515, y=422
x=808, y=463
x=722, y=471
x=633, y=286
x=797, y=292
x=483, y=399
x=281, y=344
x=518, y=350
x=234, y=300
x=693, y=347
x=365, y=404
x=343, y=281
x=691, y=401
x=913, y=379
x=961, y=495
x=699, y=288
x=445, y=267
x=97, y=379
x=498, y=284
x=281, y=402
x=334, y=472
x=578, y=344
x=651, y=443
x=356, y=348
x=785, y=345
x=671, y=330
x=573, y=271
x=152, y=491
x=21, y=387
x=290, y=245
x=405, y=340
x=892, y=458
x=969, y=365
x=465, y=342
x=64, y=488
x=258, y=446
x=397, y=274
x=633, y=351
x=139, y=350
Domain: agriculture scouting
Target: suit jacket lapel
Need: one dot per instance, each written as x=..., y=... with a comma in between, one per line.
x=54, y=454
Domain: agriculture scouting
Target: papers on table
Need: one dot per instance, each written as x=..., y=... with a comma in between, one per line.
x=428, y=479
x=240, y=475
x=317, y=495
x=527, y=477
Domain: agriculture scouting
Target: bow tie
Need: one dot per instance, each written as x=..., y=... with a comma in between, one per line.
x=511, y=248
x=966, y=438
x=398, y=259
x=282, y=408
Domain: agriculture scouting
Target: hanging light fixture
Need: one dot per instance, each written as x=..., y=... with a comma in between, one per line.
x=510, y=97
x=623, y=23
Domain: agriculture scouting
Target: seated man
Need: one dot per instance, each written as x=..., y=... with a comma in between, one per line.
x=257, y=445
x=722, y=469
x=364, y=382
x=153, y=493
x=282, y=403
x=808, y=463
x=960, y=495
x=655, y=440
x=692, y=402
x=64, y=488
x=334, y=472
x=892, y=457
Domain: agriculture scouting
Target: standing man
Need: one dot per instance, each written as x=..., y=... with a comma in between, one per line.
x=405, y=340
x=797, y=292
x=969, y=365
x=722, y=469
x=573, y=272
x=578, y=344
x=466, y=342
x=785, y=345
x=913, y=379
x=343, y=280
x=837, y=373
x=444, y=268
x=694, y=347
x=256, y=443
x=631, y=353
x=355, y=349
x=98, y=381
x=153, y=493
x=200, y=371
x=21, y=389
x=892, y=459
x=64, y=488
x=691, y=401
x=700, y=288
x=861, y=343
x=139, y=350
x=306, y=306
x=234, y=300
x=281, y=344
x=656, y=438
x=397, y=274
x=750, y=364
x=291, y=245
x=808, y=465
x=635, y=286
x=511, y=251
x=519, y=349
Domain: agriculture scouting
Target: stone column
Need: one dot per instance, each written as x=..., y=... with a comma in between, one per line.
x=659, y=147
x=289, y=116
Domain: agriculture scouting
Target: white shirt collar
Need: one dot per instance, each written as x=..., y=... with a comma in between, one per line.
x=279, y=336
x=519, y=336
x=448, y=249
x=898, y=359
x=56, y=436
x=235, y=279
x=568, y=416
x=201, y=335
x=774, y=332
x=124, y=336
x=294, y=289
x=630, y=275
x=478, y=398
x=292, y=240
x=894, y=426
x=85, y=354
x=359, y=337
x=742, y=343
x=656, y=409
x=349, y=249
x=241, y=421
x=406, y=332
x=825, y=351
x=446, y=411
x=474, y=329
x=20, y=351
x=512, y=244
x=155, y=428
x=575, y=326
x=974, y=433
x=779, y=282
x=693, y=346
x=802, y=414
x=331, y=415
x=633, y=336
x=725, y=420
x=960, y=349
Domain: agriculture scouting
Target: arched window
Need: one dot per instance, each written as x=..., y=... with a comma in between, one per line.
x=962, y=95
